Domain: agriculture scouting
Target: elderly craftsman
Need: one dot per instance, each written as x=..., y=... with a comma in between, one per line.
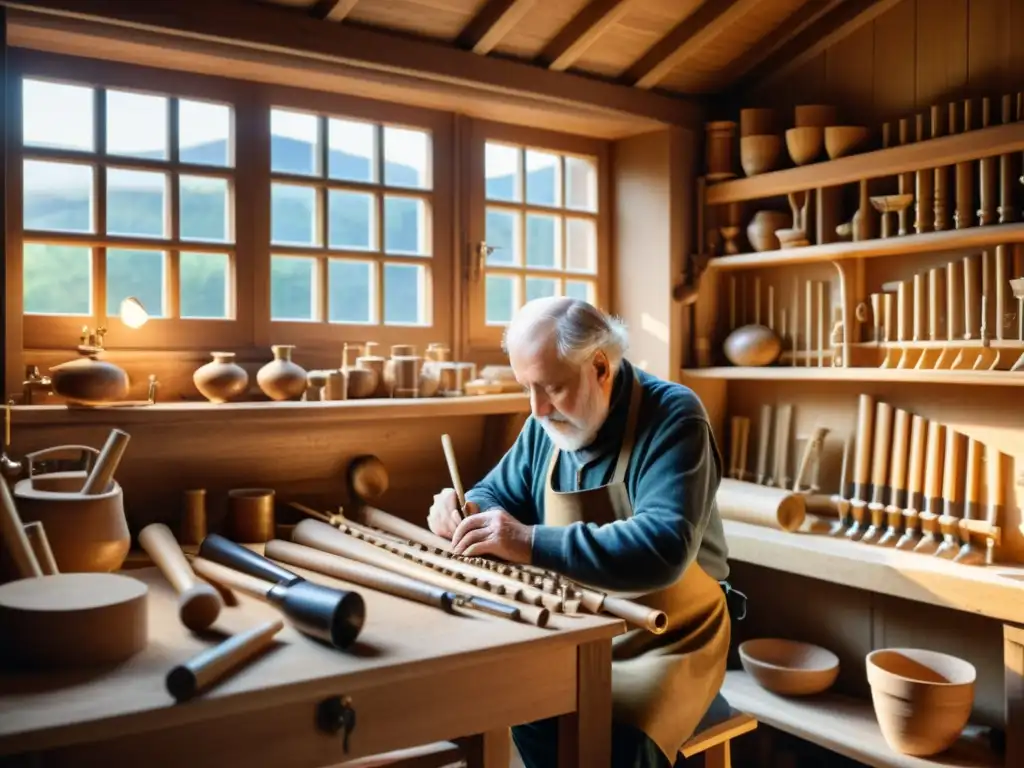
x=612, y=483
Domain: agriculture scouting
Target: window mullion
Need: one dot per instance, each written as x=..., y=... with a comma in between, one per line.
x=381, y=229
x=172, y=261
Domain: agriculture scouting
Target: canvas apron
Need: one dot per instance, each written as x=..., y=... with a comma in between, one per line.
x=661, y=684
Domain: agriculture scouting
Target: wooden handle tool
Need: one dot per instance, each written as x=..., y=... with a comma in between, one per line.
x=840, y=499
x=996, y=487
x=453, y=470
x=199, y=604
x=861, y=466
x=879, y=471
x=969, y=552
x=103, y=470
x=932, y=490
x=14, y=536
x=763, y=436
x=811, y=449
x=41, y=547
x=952, y=504
x=915, y=484
x=204, y=669
x=893, y=511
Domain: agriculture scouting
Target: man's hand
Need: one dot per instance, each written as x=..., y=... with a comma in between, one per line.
x=494, y=532
x=444, y=516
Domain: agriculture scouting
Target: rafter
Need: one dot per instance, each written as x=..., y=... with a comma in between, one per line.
x=793, y=25
x=686, y=38
x=332, y=10
x=495, y=20
x=573, y=40
x=255, y=27
x=817, y=37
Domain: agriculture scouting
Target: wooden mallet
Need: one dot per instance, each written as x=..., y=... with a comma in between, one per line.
x=199, y=603
x=453, y=469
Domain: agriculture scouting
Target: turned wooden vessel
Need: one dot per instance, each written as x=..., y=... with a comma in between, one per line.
x=89, y=380
x=281, y=379
x=221, y=379
x=752, y=345
x=788, y=667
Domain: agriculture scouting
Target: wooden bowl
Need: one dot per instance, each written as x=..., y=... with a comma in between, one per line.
x=788, y=667
x=759, y=154
x=804, y=144
x=841, y=140
x=792, y=238
x=922, y=699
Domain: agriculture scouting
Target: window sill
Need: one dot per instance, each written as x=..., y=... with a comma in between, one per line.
x=338, y=411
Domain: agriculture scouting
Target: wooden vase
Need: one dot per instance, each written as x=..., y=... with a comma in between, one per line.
x=221, y=379
x=281, y=379
x=89, y=380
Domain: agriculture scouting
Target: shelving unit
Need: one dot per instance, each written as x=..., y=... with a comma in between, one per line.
x=906, y=375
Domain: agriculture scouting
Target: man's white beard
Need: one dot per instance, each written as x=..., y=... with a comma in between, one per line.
x=571, y=433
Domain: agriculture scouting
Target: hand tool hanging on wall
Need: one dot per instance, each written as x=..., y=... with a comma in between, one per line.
x=841, y=498
x=952, y=509
x=861, y=466
x=897, y=479
x=972, y=504
x=879, y=472
x=915, y=485
x=932, y=491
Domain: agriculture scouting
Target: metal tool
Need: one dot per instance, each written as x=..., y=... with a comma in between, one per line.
x=879, y=470
x=897, y=479
x=929, y=517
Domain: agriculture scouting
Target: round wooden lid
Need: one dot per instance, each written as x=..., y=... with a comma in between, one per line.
x=71, y=592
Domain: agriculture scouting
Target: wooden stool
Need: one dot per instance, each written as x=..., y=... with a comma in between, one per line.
x=719, y=726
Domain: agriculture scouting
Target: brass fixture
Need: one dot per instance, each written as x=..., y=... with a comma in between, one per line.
x=9, y=468
x=33, y=381
x=153, y=384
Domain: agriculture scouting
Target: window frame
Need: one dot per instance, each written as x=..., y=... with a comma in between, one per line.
x=321, y=334
x=486, y=339
x=159, y=333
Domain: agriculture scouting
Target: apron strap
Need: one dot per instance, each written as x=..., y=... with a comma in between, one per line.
x=629, y=435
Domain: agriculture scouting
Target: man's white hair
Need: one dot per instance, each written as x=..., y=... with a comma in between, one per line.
x=577, y=328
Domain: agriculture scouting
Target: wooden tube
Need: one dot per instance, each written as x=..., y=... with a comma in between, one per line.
x=325, y=538
x=783, y=421
x=933, y=466
x=996, y=484
x=876, y=316
x=862, y=459
x=763, y=436
x=915, y=470
x=933, y=304
x=900, y=443
x=880, y=452
x=376, y=518
x=902, y=314
x=972, y=502
x=771, y=307
x=972, y=296
x=199, y=604
x=821, y=324
x=198, y=673
x=953, y=294
x=808, y=321
x=453, y=470
x=951, y=477
x=651, y=619
x=887, y=321
x=755, y=504
x=919, y=308
x=14, y=537
x=41, y=547
x=744, y=443
x=103, y=470
x=193, y=517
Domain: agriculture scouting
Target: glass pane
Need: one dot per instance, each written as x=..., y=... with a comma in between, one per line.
x=352, y=220
x=502, y=172
x=543, y=241
x=293, y=215
x=404, y=292
x=580, y=184
x=293, y=287
x=204, y=133
x=352, y=154
x=543, y=179
x=294, y=142
x=581, y=245
x=139, y=274
x=136, y=203
x=57, y=115
x=57, y=196
x=541, y=288
x=580, y=289
x=204, y=284
x=501, y=296
x=137, y=125
x=57, y=279
x=503, y=235
x=204, y=209
x=406, y=158
x=406, y=226
x=350, y=291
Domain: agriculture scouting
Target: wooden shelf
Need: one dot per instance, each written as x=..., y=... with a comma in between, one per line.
x=928, y=242
x=995, y=591
x=847, y=726
x=931, y=153
x=907, y=375
x=334, y=411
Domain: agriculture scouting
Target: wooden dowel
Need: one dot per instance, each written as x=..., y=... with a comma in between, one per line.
x=971, y=297
x=200, y=672
x=862, y=459
x=199, y=604
x=453, y=470
x=41, y=548
x=1002, y=282
x=14, y=536
x=808, y=322
x=103, y=470
x=376, y=518
x=972, y=507
x=953, y=295
x=919, y=308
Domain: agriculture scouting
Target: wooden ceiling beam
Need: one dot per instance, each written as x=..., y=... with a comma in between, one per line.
x=576, y=37
x=792, y=26
x=685, y=39
x=828, y=30
x=496, y=19
x=262, y=27
x=332, y=10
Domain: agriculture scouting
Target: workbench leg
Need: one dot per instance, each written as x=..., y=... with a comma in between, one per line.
x=585, y=736
x=1013, y=676
x=492, y=749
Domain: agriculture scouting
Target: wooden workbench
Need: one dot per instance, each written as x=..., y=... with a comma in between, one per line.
x=415, y=676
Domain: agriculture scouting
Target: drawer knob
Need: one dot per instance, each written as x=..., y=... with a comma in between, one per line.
x=336, y=714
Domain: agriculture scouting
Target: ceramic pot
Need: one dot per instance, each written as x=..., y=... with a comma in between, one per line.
x=221, y=379
x=922, y=699
x=761, y=229
x=89, y=380
x=281, y=379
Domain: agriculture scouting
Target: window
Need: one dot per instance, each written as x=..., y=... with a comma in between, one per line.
x=352, y=208
x=125, y=193
x=540, y=221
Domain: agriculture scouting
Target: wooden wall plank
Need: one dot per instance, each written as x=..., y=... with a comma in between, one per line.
x=895, y=46
x=849, y=76
x=988, y=47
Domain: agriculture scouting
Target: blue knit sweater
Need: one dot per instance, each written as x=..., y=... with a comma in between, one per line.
x=671, y=480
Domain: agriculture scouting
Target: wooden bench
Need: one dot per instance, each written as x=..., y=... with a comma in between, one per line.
x=715, y=732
